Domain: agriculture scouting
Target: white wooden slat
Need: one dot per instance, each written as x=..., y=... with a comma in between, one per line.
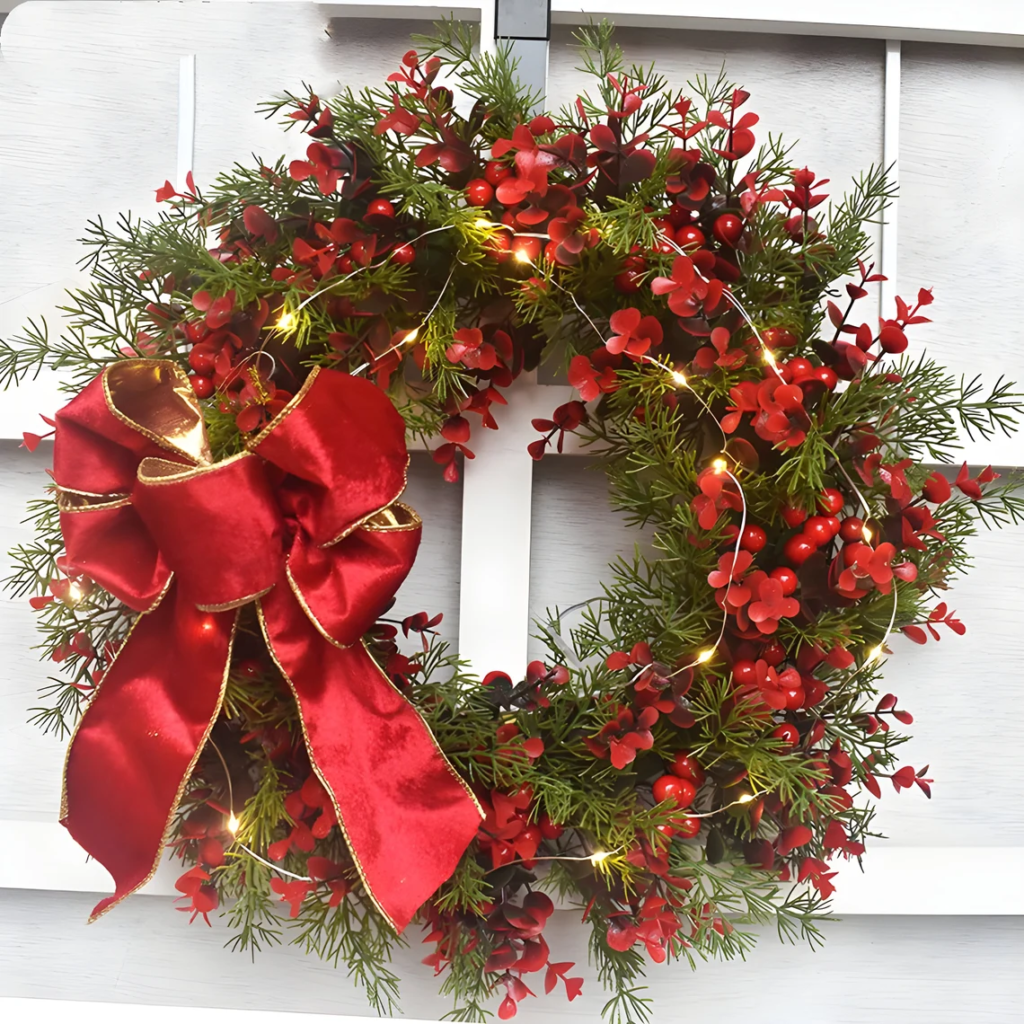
x=186, y=119
x=888, y=970
x=895, y=879
x=42, y=1011
x=496, y=509
x=987, y=22
x=961, y=220
x=888, y=248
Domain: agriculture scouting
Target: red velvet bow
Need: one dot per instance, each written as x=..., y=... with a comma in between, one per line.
x=305, y=523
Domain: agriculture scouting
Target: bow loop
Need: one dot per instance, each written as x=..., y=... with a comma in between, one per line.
x=337, y=428
x=346, y=587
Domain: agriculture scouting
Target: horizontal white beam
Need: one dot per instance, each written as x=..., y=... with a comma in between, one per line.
x=907, y=880
x=984, y=22
x=43, y=1011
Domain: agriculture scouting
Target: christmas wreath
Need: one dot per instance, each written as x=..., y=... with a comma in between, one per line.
x=215, y=560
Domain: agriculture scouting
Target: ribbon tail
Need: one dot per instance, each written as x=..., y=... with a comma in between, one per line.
x=138, y=741
x=406, y=814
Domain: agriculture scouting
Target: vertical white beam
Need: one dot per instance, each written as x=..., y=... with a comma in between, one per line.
x=891, y=160
x=497, y=508
x=487, y=12
x=186, y=119
x=497, y=489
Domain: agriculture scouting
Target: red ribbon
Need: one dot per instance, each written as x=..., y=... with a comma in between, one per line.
x=305, y=523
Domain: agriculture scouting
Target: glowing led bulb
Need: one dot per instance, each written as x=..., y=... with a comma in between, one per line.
x=74, y=594
x=411, y=336
x=233, y=823
x=866, y=533
x=876, y=653
x=286, y=322
x=719, y=465
x=769, y=358
x=598, y=856
x=522, y=256
x=679, y=378
x=706, y=655
x=482, y=222
x=745, y=799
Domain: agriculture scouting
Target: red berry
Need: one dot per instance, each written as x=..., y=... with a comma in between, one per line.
x=753, y=539
x=664, y=227
x=528, y=246
x=627, y=282
x=793, y=516
x=496, y=172
x=201, y=360
x=403, y=255
x=687, y=827
x=549, y=252
x=826, y=375
x=728, y=228
x=818, y=531
x=745, y=673
x=689, y=236
x=381, y=207
x=833, y=524
x=795, y=698
x=787, y=733
x=671, y=787
x=774, y=653
x=831, y=501
x=852, y=529
x=778, y=337
x=685, y=766
x=202, y=386
x=479, y=192
x=548, y=828
x=787, y=577
x=799, y=368
x=798, y=549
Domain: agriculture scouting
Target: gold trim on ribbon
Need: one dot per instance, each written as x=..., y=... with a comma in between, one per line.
x=174, y=418
x=156, y=472
x=316, y=767
x=286, y=411
x=186, y=778
x=387, y=520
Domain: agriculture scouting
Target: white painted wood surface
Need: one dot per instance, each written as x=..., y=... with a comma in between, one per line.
x=896, y=970
x=108, y=74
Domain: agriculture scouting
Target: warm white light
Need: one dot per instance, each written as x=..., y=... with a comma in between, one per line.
x=522, y=256
x=679, y=378
x=866, y=533
x=598, y=856
x=769, y=358
x=411, y=336
x=286, y=322
x=706, y=655
x=719, y=465
x=875, y=654
x=745, y=799
x=482, y=222
x=74, y=594
x=233, y=823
